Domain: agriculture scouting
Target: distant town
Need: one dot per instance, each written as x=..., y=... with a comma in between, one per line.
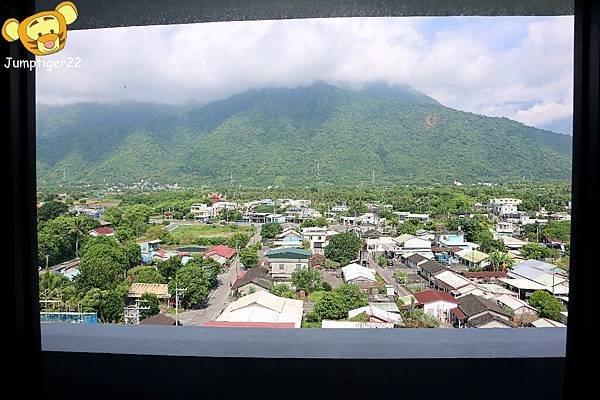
x=459, y=256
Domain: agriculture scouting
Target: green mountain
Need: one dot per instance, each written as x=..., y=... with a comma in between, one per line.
x=294, y=137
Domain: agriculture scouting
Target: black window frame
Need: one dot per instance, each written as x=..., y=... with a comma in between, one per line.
x=19, y=171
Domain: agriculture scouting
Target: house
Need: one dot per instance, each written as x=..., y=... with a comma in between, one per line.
x=552, y=278
x=160, y=290
x=414, y=260
x=429, y=268
x=202, y=212
x=512, y=243
x=504, y=227
x=158, y=319
x=436, y=303
x=329, y=324
x=150, y=246
x=220, y=253
x=547, y=323
x=317, y=237
x=375, y=314
x=359, y=275
x=410, y=244
x=451, y=282
x=503, y=206
x=478, y=312
x=484, y=276
x=288, y=238
x=102, y=231
x=521, y=309
x=405, y=216
x=254, y=280
x=472, y=258
x=389, y=307
x=263, y=307
x=283, y=261
x=523, y=287
x=68, y=269
x=380, y=245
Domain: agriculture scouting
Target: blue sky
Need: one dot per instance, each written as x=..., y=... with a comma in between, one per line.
x=516, y=67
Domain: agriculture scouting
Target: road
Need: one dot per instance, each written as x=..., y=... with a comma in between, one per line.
x=219, y=298
x=388, y=276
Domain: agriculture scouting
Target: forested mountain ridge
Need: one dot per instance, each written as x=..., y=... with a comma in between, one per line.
x=316, y=134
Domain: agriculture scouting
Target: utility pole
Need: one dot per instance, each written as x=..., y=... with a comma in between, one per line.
x=177, y=291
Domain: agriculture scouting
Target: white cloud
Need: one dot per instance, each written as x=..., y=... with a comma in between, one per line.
x=518, y=67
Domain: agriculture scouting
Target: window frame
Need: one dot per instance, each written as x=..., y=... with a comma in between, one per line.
x=19, y=140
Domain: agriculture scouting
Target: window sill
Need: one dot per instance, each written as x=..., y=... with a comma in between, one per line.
x=306, y=343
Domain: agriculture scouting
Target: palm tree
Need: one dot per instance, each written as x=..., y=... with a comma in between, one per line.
x=77, y=228
x=500, y=261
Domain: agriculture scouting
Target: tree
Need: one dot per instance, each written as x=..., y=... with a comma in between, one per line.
x=150, y=300
x=307, y=279
x=547, y=305
x=337, y=303
x=249, y=257
x=168, y=268
x=343, y=247
x=382, y=261
x=283, y=290
x=239, y=240
x=102, y=266
x=560, y=230
x=194, y=280
x=145, y=274
x=353, y=296
x=133, y=253
x=417, y=318
x=271, y=230
x=538, y=251
x=500, y=261
x=157, y=232
x=331, y=306
x=51, y=209
x=312, y=222
x=136, y=217
x=108, y=304
x=79, y=227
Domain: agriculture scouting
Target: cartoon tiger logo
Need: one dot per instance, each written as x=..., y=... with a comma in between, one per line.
x=43, y=33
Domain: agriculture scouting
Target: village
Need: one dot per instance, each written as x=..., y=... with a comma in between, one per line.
x=282, y=263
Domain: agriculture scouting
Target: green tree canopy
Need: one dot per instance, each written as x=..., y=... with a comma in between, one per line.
x=196, y=283
x=547, y=305
x=343, y=247
x=51, y=209
x=150, y=300
x=271, y=230
x=249, y=257
x=145, y=274
x=307, y=279
x=538, y=251
x=102, y=266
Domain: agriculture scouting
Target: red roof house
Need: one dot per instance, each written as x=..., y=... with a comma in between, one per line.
x=220, y=251
x=102, y=231
x=432, y=296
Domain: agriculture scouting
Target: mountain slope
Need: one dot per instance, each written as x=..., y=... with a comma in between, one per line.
x=284, y=136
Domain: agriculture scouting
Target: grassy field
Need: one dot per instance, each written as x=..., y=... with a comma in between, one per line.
x=186, y=234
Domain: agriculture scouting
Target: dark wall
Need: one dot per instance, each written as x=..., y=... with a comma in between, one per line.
x=107, y=376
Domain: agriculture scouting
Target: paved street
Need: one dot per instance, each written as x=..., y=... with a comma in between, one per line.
x=388, y=276
x=219, y=298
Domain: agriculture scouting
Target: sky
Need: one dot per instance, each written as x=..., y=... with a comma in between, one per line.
x=516, y=67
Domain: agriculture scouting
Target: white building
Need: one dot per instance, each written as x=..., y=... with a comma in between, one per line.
x=202, y=211
x=437, y=304
x=264, y=307
x=318, y=238
x=357, y=274
x=505, y=205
